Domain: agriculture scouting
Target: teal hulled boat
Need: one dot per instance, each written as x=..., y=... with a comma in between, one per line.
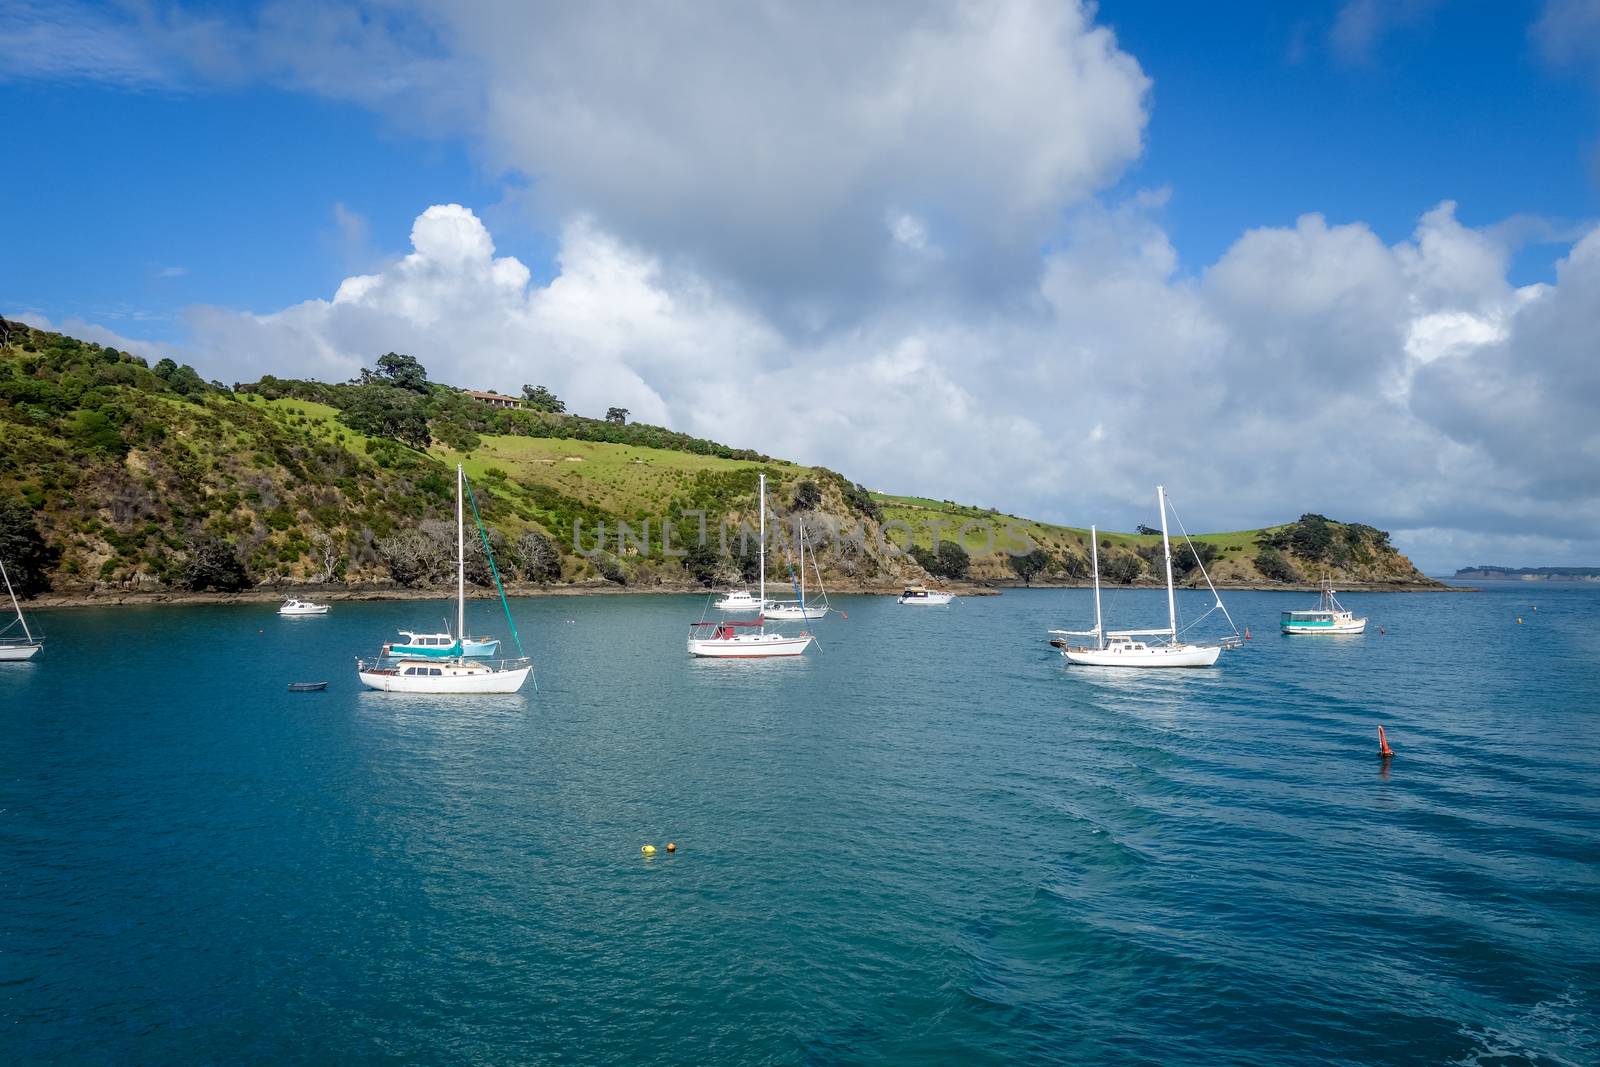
x=1328, y=617
x=442, y=645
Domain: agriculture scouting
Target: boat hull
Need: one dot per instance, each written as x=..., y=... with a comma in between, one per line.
x=1152, y=656
x=18, y=653
x=748, y=646
x=783, y=611
x=738, y=605
x=1355, y=626
x=300, y=613
x=445, y=685
x=932, y=600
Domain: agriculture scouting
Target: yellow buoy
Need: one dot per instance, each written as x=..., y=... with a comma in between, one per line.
x=1519, y=620
x=648, y=850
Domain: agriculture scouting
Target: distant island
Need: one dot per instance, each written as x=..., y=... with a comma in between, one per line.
x=1531, y=574
x=124, y=479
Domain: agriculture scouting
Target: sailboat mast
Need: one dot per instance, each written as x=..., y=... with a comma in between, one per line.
x=1166, y=551
x=761, y=545
x=801, y=523
x=461, y=562
x=12, y=593
x=1099, y=626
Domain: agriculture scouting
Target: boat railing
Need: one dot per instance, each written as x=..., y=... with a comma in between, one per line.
x=391, y=664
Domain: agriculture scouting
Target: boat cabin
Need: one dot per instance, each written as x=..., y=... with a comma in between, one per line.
x=428, y=640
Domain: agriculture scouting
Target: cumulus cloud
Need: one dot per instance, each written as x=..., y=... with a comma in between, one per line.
x=1407, y=385
x=763, y=144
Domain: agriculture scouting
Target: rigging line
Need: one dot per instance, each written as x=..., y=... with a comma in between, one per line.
x=483, y=536
x=1204, y=573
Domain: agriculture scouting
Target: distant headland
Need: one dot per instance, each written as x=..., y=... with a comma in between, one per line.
x=1487, y=572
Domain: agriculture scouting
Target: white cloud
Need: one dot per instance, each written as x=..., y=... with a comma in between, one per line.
x=1269, y=378
x=1361, y=24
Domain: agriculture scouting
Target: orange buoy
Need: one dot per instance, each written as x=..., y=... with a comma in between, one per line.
x=1384, y=751
x=672, y=846
x=1247, y=633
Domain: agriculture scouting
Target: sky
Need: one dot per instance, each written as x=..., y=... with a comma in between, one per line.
x=1331, y=257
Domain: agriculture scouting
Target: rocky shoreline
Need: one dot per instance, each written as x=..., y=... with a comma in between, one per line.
x=93, y=598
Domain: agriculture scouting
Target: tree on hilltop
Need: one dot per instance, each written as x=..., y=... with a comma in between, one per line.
x=397, y=369
x=539, y=398
x=617, y=415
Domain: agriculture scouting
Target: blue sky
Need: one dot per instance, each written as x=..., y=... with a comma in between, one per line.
x=934, y=203
x=1258, y=116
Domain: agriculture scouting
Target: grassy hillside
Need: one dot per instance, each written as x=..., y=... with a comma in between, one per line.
x=116, y=476
x=1293, y=553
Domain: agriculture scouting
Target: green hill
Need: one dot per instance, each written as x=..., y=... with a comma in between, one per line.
x=119, y=476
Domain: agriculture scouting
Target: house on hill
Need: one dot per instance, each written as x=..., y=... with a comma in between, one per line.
x=494, y=400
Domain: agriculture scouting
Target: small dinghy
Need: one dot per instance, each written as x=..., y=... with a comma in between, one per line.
x=307, y=687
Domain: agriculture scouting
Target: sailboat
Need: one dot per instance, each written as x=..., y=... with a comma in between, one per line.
x=453, y=673
x=722, y=639
x=13, y=648
x=1328, y=617
x=801, y=608
x=1122, y=648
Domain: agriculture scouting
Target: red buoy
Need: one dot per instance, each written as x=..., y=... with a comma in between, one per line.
x=1384, y=751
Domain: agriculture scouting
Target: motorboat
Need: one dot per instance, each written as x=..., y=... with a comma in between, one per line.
x=922, y=596
x=1328, y=617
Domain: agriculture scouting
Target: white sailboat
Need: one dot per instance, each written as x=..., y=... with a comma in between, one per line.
x=14, y=649
x=455, y=674
x=720, y=639
x=1123, y=648
x=801, y=608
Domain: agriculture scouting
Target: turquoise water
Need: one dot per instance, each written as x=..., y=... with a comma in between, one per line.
x=932, y=841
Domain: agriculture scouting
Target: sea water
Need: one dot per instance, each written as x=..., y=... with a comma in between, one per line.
x=929, y=840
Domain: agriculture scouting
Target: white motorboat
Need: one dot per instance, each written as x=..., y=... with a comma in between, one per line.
x=801, y=608
x=922, y=596
x=452, y=673
x=1328, y=617
x=740, y=602
x=746, y=640
x=293, y=608
x=1122, y=648
x=441, y=644
x=14, y=649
